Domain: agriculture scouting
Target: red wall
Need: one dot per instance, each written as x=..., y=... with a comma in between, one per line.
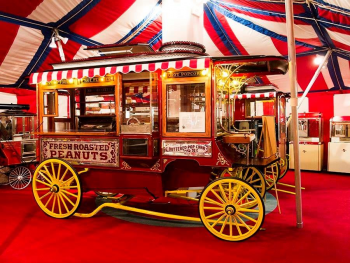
x=323, y=102
x=23, y=97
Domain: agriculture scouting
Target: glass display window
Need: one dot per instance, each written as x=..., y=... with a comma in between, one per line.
x=186, y=105
x=340, y=129
x=139, y=95
x=259, y=108
x=70, y=108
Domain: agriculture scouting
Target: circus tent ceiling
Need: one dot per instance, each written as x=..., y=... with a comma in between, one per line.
x=229, y=27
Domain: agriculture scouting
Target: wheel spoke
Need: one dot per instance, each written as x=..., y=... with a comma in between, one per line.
x=70, y=201
x=53, y=171
x=64, y=175
x=249, y=204
x=254, y=181
x=64, y=191
x=43, y=196
x=63, y=202
x=42, y=182
x=243, y=197
x=211, y=201
x=217, y=221
x=223, y=193
x=243, y=223
x=48, y=200
x=42, y=174
x=59, y=204
x=42, y=189
x=217, y=196
x=236, y=194
x=246, y=217
x=224, y=224
x=68, y=187
x=248, y=210
x=58, y=172
x=54, y=202
x=212, y=208
x=67, y=182
x=48, y=173
x=229, y=192
x=214, y=215
x=234, y=220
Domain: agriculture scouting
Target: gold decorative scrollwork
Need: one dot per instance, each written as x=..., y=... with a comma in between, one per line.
x=156, y=167
x=221, y=160
x=125, y=166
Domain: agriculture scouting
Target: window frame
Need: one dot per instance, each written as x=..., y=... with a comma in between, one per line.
x=193, y=80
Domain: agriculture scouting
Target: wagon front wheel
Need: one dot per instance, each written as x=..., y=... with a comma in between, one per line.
x=231, y=209
x=56, y=188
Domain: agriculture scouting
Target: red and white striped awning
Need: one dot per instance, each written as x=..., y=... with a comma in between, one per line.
x=255, y=95
x=43, y=77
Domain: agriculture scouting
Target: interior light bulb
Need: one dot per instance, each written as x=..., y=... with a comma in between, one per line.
x=318, y=60
x=224, y=74
x=71, y=80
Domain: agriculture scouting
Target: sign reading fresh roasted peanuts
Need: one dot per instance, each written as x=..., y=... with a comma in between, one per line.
x=94, y=152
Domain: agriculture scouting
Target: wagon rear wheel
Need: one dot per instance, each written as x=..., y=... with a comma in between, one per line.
x=57, y=188
x=284, y=166
x=20, y=177
x=231, y=209
x=272, y=173
x=250, y=174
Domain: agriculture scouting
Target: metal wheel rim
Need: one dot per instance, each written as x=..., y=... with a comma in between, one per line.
x=231, y=193
x=60, y=194
x=20, y=177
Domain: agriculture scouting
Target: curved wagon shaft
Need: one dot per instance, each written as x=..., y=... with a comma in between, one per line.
x=141, y=122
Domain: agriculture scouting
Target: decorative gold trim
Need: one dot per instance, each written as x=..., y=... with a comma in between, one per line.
x=156, y=167
x=221, y=160
x=125, y=166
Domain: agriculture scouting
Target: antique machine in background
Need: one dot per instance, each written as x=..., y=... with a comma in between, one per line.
x=310, y=142
x=339, y=145
x=18, y=147
x=157, y=123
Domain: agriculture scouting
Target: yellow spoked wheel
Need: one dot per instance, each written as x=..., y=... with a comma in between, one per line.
x=251, y=175
x=57, y=188
x=271, y=173
x=231, y=209
x=284, y=164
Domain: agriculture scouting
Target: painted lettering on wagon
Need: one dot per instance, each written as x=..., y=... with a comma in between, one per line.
x=176, y=148
x=103, y=153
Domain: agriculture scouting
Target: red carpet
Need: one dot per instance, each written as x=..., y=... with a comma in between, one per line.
x=28, y=235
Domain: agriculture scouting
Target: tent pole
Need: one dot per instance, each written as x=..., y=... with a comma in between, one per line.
x=294, y=104
x=312, y=81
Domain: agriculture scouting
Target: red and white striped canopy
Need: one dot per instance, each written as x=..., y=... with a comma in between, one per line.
x=43, y=77
x=253, y=95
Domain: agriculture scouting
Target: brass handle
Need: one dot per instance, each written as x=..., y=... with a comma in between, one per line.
x=304, y=151
x=344, y=150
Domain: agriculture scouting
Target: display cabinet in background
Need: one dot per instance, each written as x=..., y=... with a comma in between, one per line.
x=339, y=145
x=310, y=126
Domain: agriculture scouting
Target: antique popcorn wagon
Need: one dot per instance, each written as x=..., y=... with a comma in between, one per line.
x=156, y=123
x=18, y=147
